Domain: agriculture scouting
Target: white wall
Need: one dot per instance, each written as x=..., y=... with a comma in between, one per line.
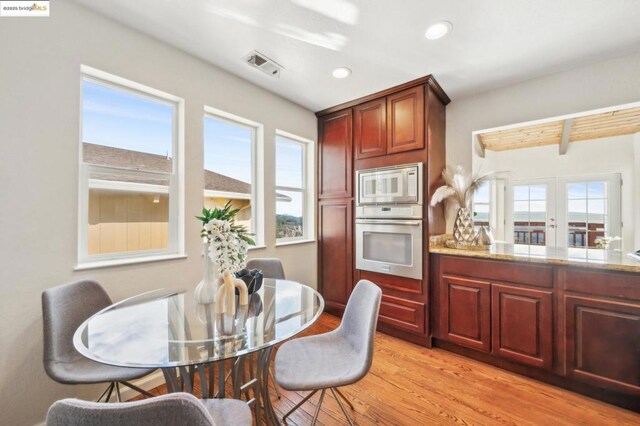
x=599, y=156
x=39, y=137
x=599, y=85
x=636, y=180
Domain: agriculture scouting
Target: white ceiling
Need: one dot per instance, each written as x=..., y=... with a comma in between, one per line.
x=493, y=42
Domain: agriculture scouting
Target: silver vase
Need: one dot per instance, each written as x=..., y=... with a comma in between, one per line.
x=463, y=227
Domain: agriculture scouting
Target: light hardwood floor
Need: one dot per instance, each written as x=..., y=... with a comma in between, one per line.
x=411, y=385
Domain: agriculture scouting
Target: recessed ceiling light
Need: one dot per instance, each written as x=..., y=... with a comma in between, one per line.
x=438, y=30
x=341, y=72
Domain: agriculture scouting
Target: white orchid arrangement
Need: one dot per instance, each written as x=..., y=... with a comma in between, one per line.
x=228, y=243
x=604, y=242
x=459, y=186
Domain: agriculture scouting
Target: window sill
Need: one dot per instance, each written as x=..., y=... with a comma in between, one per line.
x=257, y=247
x=291, y=243
x=129, y=261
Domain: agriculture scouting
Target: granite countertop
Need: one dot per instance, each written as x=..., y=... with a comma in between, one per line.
x=600, y=259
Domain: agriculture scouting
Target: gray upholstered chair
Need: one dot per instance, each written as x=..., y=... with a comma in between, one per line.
x=176, y=409
x=271, y=268
x=64, y=309
x=338, y=358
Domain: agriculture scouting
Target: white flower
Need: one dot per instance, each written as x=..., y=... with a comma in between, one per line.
x=226, y=249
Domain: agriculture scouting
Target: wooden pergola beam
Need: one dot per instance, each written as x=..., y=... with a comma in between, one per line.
x=566, y=133
x=477, y=141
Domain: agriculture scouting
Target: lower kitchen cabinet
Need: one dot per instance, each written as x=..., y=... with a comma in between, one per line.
x=603, y=342
x=465, y=314
x=522, y=326
x=575, y=327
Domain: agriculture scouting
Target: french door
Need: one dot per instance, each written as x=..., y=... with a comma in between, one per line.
x=571, y=212
x=531, y=218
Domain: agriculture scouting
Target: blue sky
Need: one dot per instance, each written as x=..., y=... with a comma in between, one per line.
x=124, y=120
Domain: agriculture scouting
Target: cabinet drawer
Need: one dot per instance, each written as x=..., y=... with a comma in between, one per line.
x=492, y=270
x=406, y=285
x=612, y=284
x=401, y=313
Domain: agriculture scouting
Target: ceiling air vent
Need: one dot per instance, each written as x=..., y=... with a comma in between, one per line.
x=264, y=64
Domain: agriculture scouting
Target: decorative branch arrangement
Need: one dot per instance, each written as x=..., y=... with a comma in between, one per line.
x=459, y=186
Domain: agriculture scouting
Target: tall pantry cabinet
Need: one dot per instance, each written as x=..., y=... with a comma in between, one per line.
x=400, y=125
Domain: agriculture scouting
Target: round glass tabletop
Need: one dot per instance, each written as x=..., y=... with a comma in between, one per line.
x=169, y=329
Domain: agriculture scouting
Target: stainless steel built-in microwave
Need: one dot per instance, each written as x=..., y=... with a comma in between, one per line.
x=390, y=185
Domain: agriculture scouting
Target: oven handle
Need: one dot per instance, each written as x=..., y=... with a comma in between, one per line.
x=389, y=222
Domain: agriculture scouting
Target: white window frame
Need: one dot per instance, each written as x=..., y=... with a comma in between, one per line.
x=307, y=190
x=257, y=170
x=614, y=206
x=176, y=248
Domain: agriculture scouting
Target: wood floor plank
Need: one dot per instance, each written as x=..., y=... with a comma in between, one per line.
x=411, y=385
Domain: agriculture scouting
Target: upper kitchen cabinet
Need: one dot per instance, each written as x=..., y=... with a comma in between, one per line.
x=405, y=120
x=335, y=155
x=370, y=132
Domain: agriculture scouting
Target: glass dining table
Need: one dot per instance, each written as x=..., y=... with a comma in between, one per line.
x=190, y=342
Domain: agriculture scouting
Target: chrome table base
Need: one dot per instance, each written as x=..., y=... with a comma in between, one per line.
x=249, y=378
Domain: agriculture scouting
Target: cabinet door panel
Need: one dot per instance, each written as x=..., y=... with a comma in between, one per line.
x=370, y=132
x=466, y=312
x=402, y=313
x=405, y=120
x=522, y=324
x=335, y=155
x=335, y=252
x=603, y=342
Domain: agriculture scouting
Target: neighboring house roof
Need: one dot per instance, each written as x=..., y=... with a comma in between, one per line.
x=136, y=160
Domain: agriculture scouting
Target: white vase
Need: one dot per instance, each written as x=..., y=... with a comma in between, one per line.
x=207, y=289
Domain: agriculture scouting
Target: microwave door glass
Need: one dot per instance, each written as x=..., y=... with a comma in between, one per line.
x=387, y=247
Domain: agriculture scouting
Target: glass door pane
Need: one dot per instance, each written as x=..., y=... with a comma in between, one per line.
x=533, y=220
x=586, y=213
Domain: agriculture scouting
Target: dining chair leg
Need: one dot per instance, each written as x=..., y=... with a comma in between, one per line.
x=345, y=398
x=315, y=415
x=118, y=392
x=105, y=392
x=137, y=389
x=305, y=399
x=113, y=385
x=344, y=410
x=275, y=385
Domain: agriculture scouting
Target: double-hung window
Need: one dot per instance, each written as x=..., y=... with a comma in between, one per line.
x=233, y=167
x=130, y=172
x=294, y=188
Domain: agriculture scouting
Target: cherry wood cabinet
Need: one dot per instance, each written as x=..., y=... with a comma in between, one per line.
x=401, y=125
x=603, y=342
x=335, y=152
x=335, y=253
x=370, y=128
x=405, y=124
x=466, y=316
x=576, y=327
x=522, y=324
x=401, y=313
